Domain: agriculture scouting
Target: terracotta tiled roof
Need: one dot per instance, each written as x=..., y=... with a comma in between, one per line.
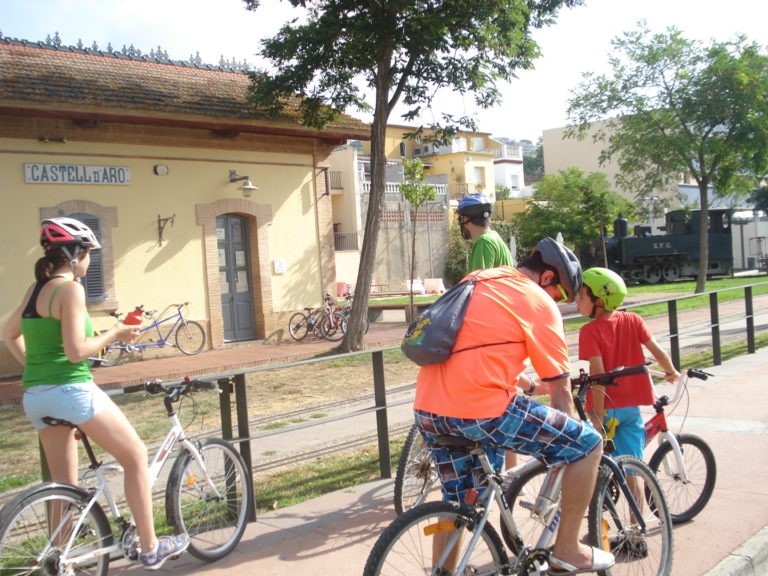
x=48, y=77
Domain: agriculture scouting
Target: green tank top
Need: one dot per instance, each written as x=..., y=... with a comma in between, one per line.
x=46, y=363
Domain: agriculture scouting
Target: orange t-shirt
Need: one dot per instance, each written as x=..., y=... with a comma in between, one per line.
x=506, y=307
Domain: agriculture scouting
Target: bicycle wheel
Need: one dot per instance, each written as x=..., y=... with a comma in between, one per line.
x=214, y=523
x=333, y=326
x=298, y=326
x=190, y=337
x=406, y=545
x=685, y=499
x=524, y=488
x=416, y=479
x=36, y=526
x=611, y=523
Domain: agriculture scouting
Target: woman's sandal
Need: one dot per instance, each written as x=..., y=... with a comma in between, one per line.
x=601, y=560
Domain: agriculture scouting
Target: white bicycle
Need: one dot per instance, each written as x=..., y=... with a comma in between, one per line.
x=62, y=530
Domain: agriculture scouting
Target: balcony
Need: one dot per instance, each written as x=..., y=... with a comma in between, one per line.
x=345, y=241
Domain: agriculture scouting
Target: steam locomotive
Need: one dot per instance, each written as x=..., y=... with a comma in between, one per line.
x=648, y=258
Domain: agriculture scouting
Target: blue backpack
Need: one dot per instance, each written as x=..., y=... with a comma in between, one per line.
x=432, y=334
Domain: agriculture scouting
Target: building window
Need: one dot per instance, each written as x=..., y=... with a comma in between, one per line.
x=514, y=182
x=94, y=280
x=480, y=176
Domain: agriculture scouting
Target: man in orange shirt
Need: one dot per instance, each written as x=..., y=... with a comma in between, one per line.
x=512, y=317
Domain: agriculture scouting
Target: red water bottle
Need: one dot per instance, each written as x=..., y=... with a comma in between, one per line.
x=134, y=318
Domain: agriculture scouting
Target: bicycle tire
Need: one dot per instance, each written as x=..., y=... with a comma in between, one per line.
x=298, y=326
x=416, y=477
x=25, y=543
x=190, y=337
x=366, y=323
x=333, y=326
x=685, y=500
x=607, y=526
x=524, y=488
x=405, y=546
x=215, y=525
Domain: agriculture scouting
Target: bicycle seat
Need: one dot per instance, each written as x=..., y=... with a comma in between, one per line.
x=51, y=421
x=456, y=442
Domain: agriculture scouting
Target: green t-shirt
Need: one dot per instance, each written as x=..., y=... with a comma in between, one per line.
x=46, y=363
x=489, y=251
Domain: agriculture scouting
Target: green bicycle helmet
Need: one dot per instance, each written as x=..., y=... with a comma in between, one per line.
x=606, y=284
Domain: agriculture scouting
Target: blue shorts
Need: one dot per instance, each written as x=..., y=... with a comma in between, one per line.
x=627, y=429
x=525, y=427
x=76, y=403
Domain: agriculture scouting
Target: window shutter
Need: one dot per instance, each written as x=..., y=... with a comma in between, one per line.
x=94, y=280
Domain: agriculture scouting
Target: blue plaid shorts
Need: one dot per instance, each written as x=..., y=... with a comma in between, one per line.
x=525, y=427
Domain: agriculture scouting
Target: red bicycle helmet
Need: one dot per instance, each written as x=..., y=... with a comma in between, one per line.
x=65, y=232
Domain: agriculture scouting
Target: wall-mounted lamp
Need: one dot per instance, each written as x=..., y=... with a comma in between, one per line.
x=247, y=186
x=161, y=224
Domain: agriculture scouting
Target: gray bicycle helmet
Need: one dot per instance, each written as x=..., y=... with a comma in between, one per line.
x=564, y=261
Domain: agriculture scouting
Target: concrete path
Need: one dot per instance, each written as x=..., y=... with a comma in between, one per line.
x=334, y=534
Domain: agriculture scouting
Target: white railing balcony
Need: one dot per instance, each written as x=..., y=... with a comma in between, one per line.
x=506, y=151
x=393, y=188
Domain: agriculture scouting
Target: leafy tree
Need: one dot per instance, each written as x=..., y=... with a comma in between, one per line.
x=417, y=192
x=679, y=106
x=502, y=192
x=533, y=164
x=578, y=205
x=759, y=197
x=405, y=51
x=458, y=255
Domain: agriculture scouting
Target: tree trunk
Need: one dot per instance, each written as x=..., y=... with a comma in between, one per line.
x=354, y=339
x=701, y=280
x=415, y=213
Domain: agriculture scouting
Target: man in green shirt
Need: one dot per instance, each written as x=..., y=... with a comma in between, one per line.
x=488, y=249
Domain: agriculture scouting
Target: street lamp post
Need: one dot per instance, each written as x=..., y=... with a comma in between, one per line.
x=431, y=205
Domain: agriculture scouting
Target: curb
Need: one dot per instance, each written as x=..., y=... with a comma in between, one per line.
x=749, y=559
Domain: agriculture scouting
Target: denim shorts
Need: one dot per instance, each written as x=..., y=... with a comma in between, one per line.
x=525, y=427
x=76, y=403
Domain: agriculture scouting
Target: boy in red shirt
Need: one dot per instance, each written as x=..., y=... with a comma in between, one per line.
x=614, y=339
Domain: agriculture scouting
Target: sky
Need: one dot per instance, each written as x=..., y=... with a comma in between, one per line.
x=579, y=42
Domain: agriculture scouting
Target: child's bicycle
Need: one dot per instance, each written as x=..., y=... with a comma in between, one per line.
x=445, y=538
x=188, y=335
x=684, y=463
x=62, y=530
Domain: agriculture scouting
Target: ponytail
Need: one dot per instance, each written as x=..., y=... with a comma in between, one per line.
x=45, y=266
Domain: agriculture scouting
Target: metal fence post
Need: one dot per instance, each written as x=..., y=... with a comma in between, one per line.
x=714, y=315
x=244, y=433
x=382, y=425
x=750, y=316
x=674, y=336
x=225, y=412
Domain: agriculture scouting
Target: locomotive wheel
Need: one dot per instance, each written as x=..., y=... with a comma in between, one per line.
x=652, y=273
x=670, y=272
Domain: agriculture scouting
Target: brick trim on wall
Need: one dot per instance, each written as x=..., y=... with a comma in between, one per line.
x=107, y=216
x=259, y=218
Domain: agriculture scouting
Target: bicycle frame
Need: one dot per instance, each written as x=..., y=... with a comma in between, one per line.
x=175, y=435
x=177, y=318
x=657, y=424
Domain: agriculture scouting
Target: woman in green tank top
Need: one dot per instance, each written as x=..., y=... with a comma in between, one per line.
x=50, y=334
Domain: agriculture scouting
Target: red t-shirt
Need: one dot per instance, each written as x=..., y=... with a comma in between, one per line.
x=521, y=322
x=619, y=338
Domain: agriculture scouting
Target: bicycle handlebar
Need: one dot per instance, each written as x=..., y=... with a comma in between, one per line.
x=180, y=388
x=697, y=373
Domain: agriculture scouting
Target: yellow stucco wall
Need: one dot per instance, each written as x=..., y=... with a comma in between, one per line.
x=144, y=271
